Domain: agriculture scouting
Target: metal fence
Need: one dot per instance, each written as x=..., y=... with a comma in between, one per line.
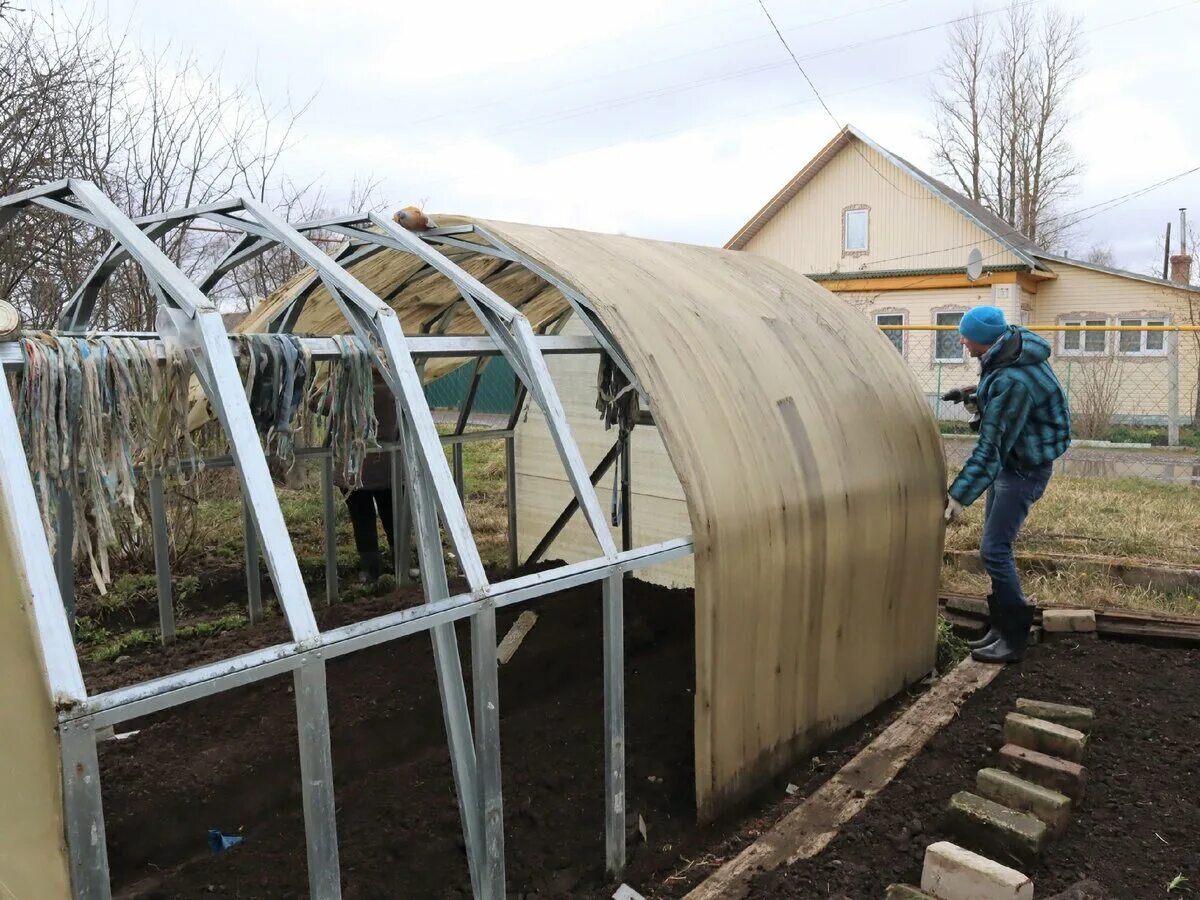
x=494, y=395
x=1132, y=391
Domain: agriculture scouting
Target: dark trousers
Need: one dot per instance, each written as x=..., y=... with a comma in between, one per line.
x=1008, y=502
x=362, y=506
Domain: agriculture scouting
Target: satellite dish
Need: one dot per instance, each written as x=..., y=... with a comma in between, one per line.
x=974, y=264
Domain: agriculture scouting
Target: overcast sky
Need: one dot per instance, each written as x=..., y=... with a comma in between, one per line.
x=673, y=119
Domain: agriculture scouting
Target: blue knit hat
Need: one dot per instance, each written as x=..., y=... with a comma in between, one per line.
x=983, y=324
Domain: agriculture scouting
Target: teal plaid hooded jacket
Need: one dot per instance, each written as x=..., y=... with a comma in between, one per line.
x=1025, y=422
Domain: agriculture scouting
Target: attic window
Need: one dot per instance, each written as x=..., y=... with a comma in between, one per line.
x=855, y=224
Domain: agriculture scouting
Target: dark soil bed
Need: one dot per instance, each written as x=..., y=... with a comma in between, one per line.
x=1138, y=827
x=230, y=762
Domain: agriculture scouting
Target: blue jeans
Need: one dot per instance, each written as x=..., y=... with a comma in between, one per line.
x=1008, y=502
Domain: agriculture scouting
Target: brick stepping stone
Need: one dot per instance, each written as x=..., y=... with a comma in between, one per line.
x=1004, y=834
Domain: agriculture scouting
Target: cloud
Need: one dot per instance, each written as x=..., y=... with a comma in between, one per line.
x=661, y=118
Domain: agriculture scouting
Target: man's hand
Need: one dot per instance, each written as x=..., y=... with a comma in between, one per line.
x=954, y=511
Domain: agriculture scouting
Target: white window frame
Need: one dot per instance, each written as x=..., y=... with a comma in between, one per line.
x=1144, y=336
x=903, y=317
x=1064, y=350
x=962, y=351
x=847, y=250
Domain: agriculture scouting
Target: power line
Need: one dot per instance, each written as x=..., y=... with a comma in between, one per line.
x=1156, y=12
x=659, y=62
x=825, y=105
x=664, y=91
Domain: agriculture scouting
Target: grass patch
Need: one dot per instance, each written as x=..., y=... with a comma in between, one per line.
x=951, y=649
x=486, y=498
x=213, y=627
x=105, y=645
x=1129, y=517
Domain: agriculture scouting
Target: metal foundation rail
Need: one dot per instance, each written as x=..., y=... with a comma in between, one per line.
x=427, y=498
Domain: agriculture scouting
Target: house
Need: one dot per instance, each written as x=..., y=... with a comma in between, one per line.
x=894, y=241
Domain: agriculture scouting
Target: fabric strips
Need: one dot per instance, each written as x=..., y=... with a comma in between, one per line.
x=348, y=399
x=278, y=374
x=97, y=412
x=90, y=409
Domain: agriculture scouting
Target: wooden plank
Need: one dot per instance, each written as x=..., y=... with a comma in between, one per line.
x=808, y=829
x=516, y=634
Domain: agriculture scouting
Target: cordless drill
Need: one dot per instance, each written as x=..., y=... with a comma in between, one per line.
x=968, y=397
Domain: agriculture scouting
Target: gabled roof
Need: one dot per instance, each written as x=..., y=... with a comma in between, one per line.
x=1023, y=248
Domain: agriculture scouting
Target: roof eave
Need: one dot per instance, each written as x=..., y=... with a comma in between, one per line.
x=785, y=194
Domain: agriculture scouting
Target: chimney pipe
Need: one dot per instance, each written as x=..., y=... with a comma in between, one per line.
x=1167, y=254
x=1181, y=263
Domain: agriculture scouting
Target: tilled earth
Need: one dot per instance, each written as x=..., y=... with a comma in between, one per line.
x=1139, y=825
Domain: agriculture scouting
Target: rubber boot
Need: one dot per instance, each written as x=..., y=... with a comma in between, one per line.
x=370, y=567
x=993, y=633
x=1014, y=637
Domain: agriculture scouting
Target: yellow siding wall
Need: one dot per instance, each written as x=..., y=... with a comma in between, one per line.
x=1143, y=382
x=906, y=220
x=659, y=509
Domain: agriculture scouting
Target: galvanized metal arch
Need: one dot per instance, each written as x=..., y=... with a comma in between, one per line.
x=475, y=757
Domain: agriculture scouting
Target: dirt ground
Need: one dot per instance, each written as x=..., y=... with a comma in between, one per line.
x=1138, y=827
x=230, y=762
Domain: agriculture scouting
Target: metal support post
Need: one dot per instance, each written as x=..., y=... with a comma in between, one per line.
x=456, y=452
x=253, y=575
x=316, y=775
x=1172, y=388
x=64, y=560
x=401, y=526
x=510, y=473
x=626, y=492
x=83, y=810
x=937, y=409
x=422, y=504
x=162, y=559
x=330, y=522
x=485, y=680
x=614, y=723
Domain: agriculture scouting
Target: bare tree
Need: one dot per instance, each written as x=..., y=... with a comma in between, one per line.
x=1100, y=255
x=961, y=105
x=1001, y=113
x=1095, y=397
x=155, y=132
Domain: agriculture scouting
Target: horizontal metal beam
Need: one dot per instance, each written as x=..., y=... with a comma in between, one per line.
x=51, y=189
x=233, y=204
x=467, y=437
x=137, y=700
x=426, y=346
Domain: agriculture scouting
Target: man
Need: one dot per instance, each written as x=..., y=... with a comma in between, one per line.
x=1024, y=427
x=370, y=503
